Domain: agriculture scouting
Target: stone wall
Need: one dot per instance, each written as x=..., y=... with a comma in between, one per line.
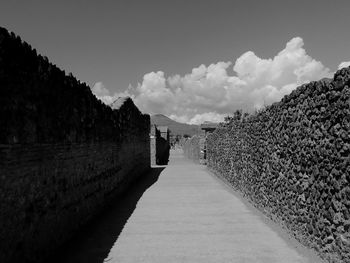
x=153, y=141
x=160, y=147
x=162, y=151
x=292, y=160
x=63, y=153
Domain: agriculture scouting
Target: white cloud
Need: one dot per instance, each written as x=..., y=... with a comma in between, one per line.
x=199, y=118
x=99, y=89
x=102, y=93
x=208, y=116
x=209, y=93
x=153, y=95
x=344, y=64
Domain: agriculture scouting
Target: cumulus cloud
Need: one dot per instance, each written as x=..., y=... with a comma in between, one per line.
x=153, y=95
x=99, y=89
x=102, y=93
x=209, y=93
x=344, y=64
x=207, y=116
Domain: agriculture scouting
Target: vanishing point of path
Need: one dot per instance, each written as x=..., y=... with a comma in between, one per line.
x=182, y=213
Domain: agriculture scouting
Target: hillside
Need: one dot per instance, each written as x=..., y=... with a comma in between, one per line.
x=175, y=127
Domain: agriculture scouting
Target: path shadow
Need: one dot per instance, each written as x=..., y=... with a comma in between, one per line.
x=94, y=241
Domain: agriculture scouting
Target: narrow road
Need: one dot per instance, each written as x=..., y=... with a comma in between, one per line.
x=185, y=214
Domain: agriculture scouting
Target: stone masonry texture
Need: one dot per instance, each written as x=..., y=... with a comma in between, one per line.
x=160, y=148
x=292, y=161
x=153, y=141
x=63, y=153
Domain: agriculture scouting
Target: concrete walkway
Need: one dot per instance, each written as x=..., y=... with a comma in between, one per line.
x=188, y=215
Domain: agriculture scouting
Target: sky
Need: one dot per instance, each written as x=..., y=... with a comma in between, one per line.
x=191, y=60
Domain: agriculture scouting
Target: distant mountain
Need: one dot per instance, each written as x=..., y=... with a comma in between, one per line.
x=175, y=127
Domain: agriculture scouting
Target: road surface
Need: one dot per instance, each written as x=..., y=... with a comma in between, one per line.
x=183, y=214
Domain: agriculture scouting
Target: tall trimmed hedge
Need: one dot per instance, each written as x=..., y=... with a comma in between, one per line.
x=292, y=160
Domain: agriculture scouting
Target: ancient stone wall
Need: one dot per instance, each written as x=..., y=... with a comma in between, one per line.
x=162, y=151
x=153, y=141
x=160, y=147
x=63, y=153
x=292, y=160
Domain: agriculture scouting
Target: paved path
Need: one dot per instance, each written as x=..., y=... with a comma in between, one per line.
x=188, y=215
